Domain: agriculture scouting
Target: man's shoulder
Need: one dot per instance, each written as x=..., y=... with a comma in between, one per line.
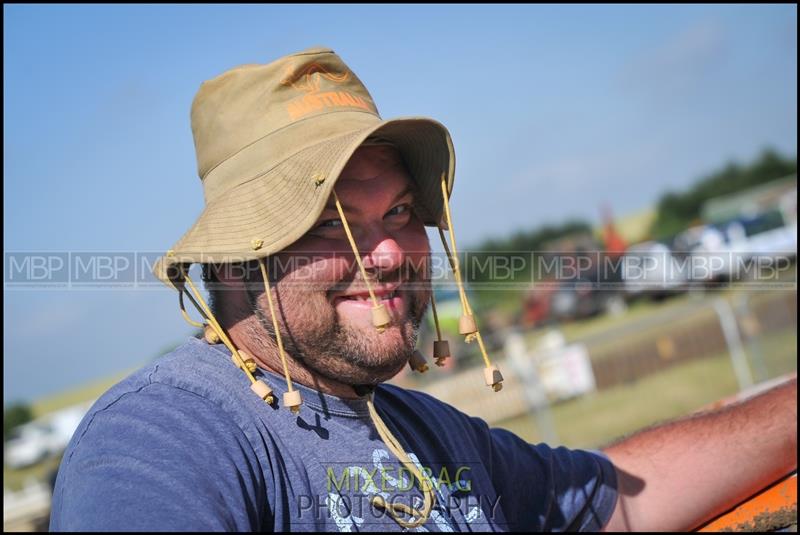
x=180, y=426
x=407, y=395
x=193, y=365
x=450, y=429
x=194, y=372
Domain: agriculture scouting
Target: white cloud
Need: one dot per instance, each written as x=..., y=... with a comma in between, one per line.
x=680, y=63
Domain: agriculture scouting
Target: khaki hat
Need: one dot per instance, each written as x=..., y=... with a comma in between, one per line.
x=271, y=141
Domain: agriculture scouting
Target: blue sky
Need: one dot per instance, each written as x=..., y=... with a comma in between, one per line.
x=553, y=110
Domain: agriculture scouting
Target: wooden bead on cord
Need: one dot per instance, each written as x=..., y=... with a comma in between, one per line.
x=493, y=378
x=380, y=317
x=210, y=335
x=262, y=390
x=441, y=351
x=250, y=363
x=466, y=324
x=417, y=362
x=293, y=400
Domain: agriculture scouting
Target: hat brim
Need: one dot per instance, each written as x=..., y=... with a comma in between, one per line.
x=279, y=205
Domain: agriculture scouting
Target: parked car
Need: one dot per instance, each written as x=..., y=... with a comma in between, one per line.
x=577, y=299
x=731, y=250
x=766, y=234
x=30, y=443
x=650, y=269
x=705, y=249
x=45, y=437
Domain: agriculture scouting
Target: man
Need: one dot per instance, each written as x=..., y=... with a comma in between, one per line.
x=314, y=246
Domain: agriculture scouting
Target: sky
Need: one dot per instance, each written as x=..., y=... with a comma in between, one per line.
x=554, y=111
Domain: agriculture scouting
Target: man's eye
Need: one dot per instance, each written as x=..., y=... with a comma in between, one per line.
x=330, y=223
x=399, y=209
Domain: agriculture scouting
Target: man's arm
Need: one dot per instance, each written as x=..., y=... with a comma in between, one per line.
x=679, y=475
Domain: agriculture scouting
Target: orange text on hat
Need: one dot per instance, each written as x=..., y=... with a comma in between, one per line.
x=307, y=104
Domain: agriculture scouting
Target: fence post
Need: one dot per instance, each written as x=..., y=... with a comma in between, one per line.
x=734, y=340
x=753, y=337
x=520, y=360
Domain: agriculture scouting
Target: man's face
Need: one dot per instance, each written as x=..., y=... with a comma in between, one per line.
x=321, y=293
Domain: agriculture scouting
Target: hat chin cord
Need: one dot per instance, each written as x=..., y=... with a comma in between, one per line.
x=215, y=332
x=466, y=325
x=380, y=319
x=428, y=493
x=292, y=397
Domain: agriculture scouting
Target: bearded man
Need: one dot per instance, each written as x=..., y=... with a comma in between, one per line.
x=314, y=249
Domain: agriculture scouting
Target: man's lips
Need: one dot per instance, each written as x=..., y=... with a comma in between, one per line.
x=385, y=291
x=390, y=295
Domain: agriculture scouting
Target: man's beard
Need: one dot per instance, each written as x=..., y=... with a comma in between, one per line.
x=313, y=335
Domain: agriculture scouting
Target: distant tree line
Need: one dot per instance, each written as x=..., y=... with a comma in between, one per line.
x=677, y=211
x=535, y=239
x=15, y=415
x=521, y=241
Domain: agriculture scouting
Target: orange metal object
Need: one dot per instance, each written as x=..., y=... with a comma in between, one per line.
x=780, y=496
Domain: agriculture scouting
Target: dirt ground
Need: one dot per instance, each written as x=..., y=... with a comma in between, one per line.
x=770, y=521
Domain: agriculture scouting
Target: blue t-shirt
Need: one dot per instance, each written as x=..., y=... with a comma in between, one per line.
x=184, y=444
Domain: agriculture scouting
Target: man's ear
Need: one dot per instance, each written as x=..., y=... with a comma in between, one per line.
x=228, y=291
x=231, y=276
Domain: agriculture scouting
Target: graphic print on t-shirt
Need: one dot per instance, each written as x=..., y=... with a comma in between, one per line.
x=351, y=489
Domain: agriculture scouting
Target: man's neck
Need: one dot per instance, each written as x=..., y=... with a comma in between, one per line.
x=266, y=354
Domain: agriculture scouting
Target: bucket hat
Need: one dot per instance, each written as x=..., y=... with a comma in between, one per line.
x=271, y=141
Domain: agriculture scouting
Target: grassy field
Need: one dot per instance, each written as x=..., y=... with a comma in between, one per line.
x=86, y=392
x=16, y=479
x=597, y=419
x=646, y=317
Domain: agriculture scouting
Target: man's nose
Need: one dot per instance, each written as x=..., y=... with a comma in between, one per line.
x=385, y=255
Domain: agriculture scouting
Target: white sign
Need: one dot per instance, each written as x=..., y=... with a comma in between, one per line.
x=566, y=372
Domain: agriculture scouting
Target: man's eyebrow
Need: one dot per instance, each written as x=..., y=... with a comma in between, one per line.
x=408, y=190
